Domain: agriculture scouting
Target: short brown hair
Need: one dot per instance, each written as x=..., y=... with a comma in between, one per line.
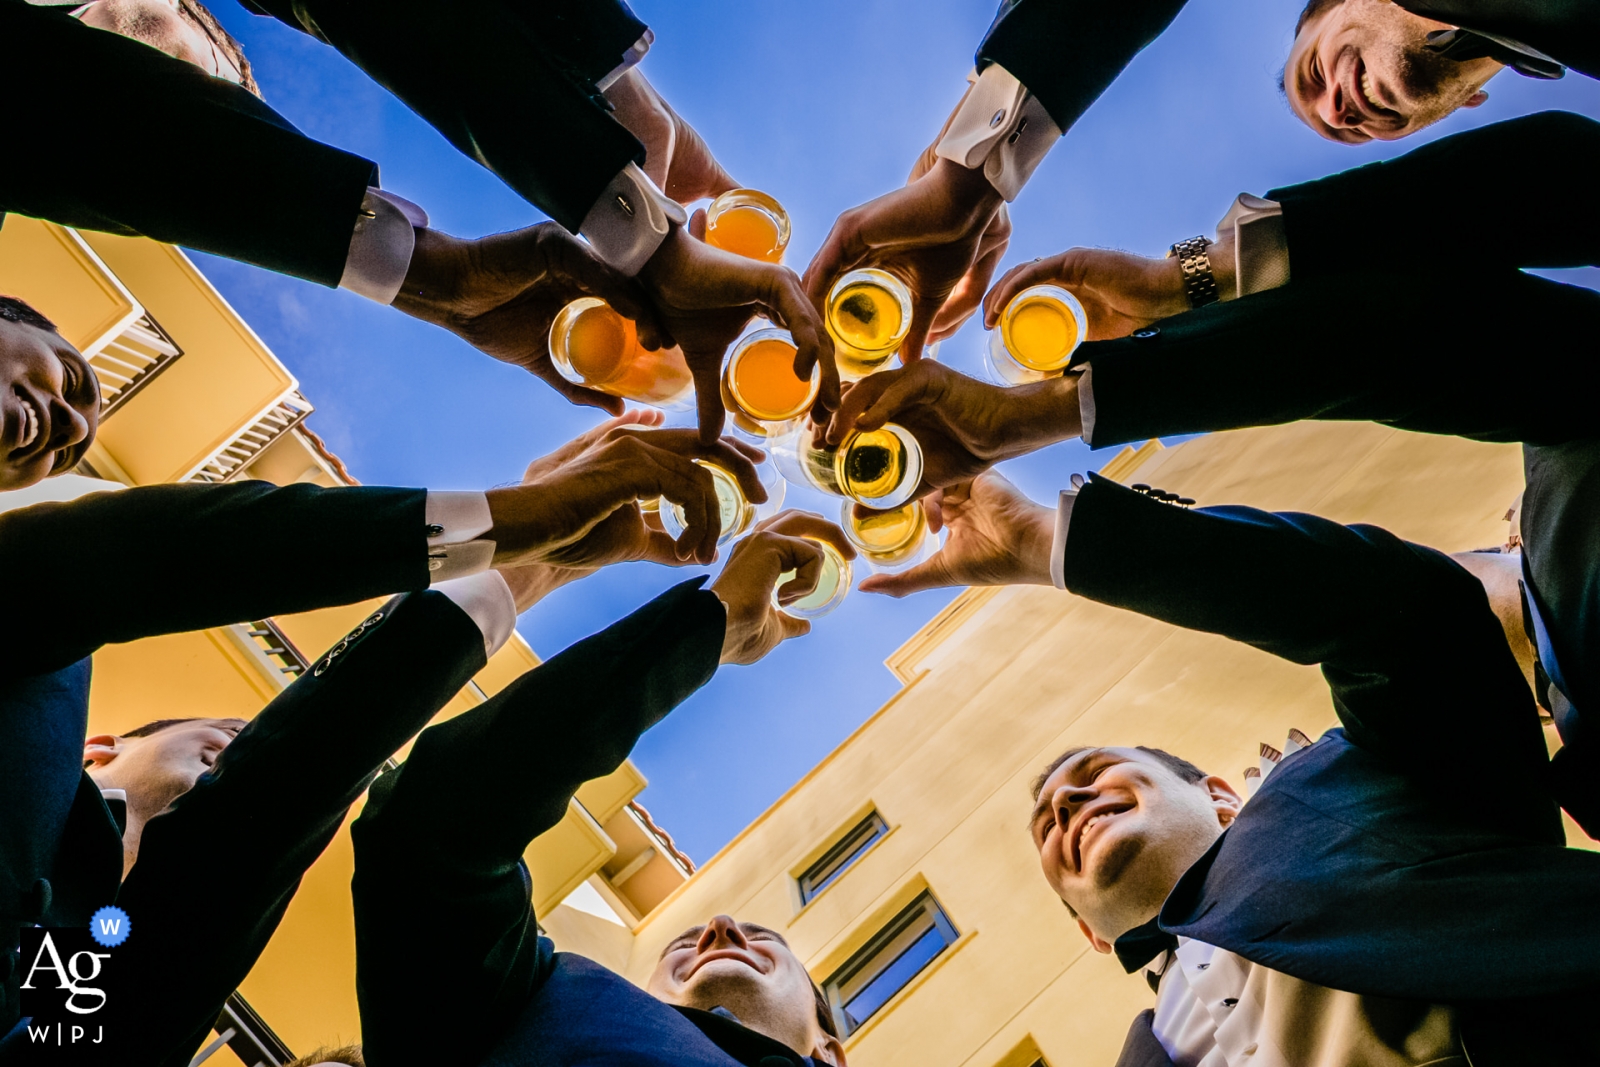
x=20, y=311
x=155, y=727
x=1176, y=764
x=1312, y=9
x=346, y=1054
x=199, y=16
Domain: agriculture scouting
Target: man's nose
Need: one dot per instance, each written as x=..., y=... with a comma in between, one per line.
x=1335, y=110
x=68, y=426
x=1069, y=799
x=722, y=930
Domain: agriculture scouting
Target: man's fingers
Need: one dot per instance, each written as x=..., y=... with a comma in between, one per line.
x=929, y=574
x=789, y=304
x=657, y=547
x=796, y=523
x=908, y=389
x=697, y=224
x=726, y=454
x=922, y=315
x=707, y=372
x=860, y=396
x=588, y=398
x=1013, y=282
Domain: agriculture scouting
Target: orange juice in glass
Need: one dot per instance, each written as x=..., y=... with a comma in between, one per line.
x=1038, y=332
x=593, y=346
x=868, y=314
x=888, y=540
x=759, y=385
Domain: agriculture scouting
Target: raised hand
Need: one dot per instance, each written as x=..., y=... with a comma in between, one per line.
x=943, y=233
x=677, y=159
x=1120, y=291
x=997, y=537
x=552, y=517
x=501, y=293
x=704, y=296
x=964, y=426
x=785, y=542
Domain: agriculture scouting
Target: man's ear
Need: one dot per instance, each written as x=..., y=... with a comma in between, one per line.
x=101, y=749
x=1101, y=945
x=1476, y=99
x=1224, y=801
x=829, y=1050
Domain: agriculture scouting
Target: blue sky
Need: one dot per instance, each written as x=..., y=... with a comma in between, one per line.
x=823, y=104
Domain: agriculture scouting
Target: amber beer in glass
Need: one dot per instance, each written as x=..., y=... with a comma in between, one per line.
x=1039, y=330
x=833, y=583
x=593, y=346
x=879, y=468
x=888, y=540
x=760, y=387
x=748, y=223
x=868, y=315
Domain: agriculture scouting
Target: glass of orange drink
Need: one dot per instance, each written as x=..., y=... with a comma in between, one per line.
x=890, y=540
x=593, y=346
x=1039, y=330
x=748, y=223
x=759, y=385
x=868, y=314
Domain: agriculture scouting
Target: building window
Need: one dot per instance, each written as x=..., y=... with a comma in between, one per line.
x=888, y=963
x=838, y=859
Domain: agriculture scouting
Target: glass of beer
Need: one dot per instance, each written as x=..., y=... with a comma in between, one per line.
x=735, y=511
x=879, y=468
x=748, y=223
x=593, y=346
x=759, y=385
x=889, y=540
x=833, y=583
x=868, y=315
x=1039, y=330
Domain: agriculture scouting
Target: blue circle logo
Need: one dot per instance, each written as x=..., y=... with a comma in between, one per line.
x=109, y=927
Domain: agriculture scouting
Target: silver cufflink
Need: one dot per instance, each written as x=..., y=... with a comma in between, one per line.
x=627, y=208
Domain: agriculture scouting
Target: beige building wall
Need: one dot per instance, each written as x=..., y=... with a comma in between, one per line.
x=999, y=684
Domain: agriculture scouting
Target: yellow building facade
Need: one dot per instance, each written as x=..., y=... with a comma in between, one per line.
x=899, y=868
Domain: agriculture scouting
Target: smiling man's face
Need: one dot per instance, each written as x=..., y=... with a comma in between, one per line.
x=1116, y=828
x=49, y=404
x=751, y=971
x=1359, y=71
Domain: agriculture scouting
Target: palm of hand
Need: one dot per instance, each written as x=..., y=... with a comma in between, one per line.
x=980, y=549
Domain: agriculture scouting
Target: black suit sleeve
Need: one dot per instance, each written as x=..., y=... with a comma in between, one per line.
x=1067, y=52
x=211, y=167
x=440, y=841
x=1417, y=662
x=1568, y=31
x=1496, y=357
x=512, y=85
x=161, y=559
x=1518, y=193
x=216, y=872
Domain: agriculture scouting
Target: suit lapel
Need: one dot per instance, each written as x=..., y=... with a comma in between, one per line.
x=1141, y=1049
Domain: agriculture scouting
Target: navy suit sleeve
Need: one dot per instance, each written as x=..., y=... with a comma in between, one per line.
x=217, y=871
x=252, y=187
x=1493, y=357
x=161, y=559
x=447, y=947
x=1416, y=660
x=1067, y=52
x=512, y=85
x=1518, y=193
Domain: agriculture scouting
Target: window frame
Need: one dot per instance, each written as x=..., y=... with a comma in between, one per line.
x=867, y=957
x=844, y=853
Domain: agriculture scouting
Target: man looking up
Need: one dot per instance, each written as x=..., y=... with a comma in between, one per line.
x=329, y=547
x=49, y=398
x=1370, y=903
x=444, y=837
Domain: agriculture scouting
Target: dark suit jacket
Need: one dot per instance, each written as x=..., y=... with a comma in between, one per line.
x=510, y=83
x=440, y=842
x=1067, y=52
x=222, y=172
x=1380, y=860
x=1421, y=342
x=130, y=564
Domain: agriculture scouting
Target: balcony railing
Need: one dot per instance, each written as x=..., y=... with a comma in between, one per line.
x=239, y=453
x=131, y=360
x=248, y=1037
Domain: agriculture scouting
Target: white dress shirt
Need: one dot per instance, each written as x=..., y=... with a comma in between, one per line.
x=458, y=563
x=1001, y=128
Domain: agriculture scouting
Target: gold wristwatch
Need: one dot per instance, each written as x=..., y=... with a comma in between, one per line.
x=1199, y=284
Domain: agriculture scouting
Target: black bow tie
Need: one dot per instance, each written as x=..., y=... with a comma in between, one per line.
x=1143, y=943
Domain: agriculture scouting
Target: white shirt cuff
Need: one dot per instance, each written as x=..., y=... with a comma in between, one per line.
x=1058, y=543
x=456, y=545
x=1260, y=248
x=1086, y=404
x=487, y=600
x=381, y=246
x=630, y=220
x=630, y=59
x=1002, y=128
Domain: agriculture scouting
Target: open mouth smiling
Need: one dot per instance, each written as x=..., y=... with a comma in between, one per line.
x=31, y=423
x=1091, y=822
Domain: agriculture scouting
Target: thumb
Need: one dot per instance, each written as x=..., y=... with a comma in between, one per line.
x=929, y=574
x=697, y=224
x=660, y=548
x=922, y=315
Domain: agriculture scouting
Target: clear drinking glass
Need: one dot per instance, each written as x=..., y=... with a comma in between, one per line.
x=833, y=584
x=890, y=540
x=759, y=385
x=748, y=223
x=879, y=468
x=593, y=346
x=868, y=315
x=1039, y=330
x=736, y=513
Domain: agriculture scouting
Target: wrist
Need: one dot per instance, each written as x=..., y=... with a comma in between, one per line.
x=432, y=283
x=1038, y=415
x=519, y=514
x=1037, y=545
x=975, y=199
